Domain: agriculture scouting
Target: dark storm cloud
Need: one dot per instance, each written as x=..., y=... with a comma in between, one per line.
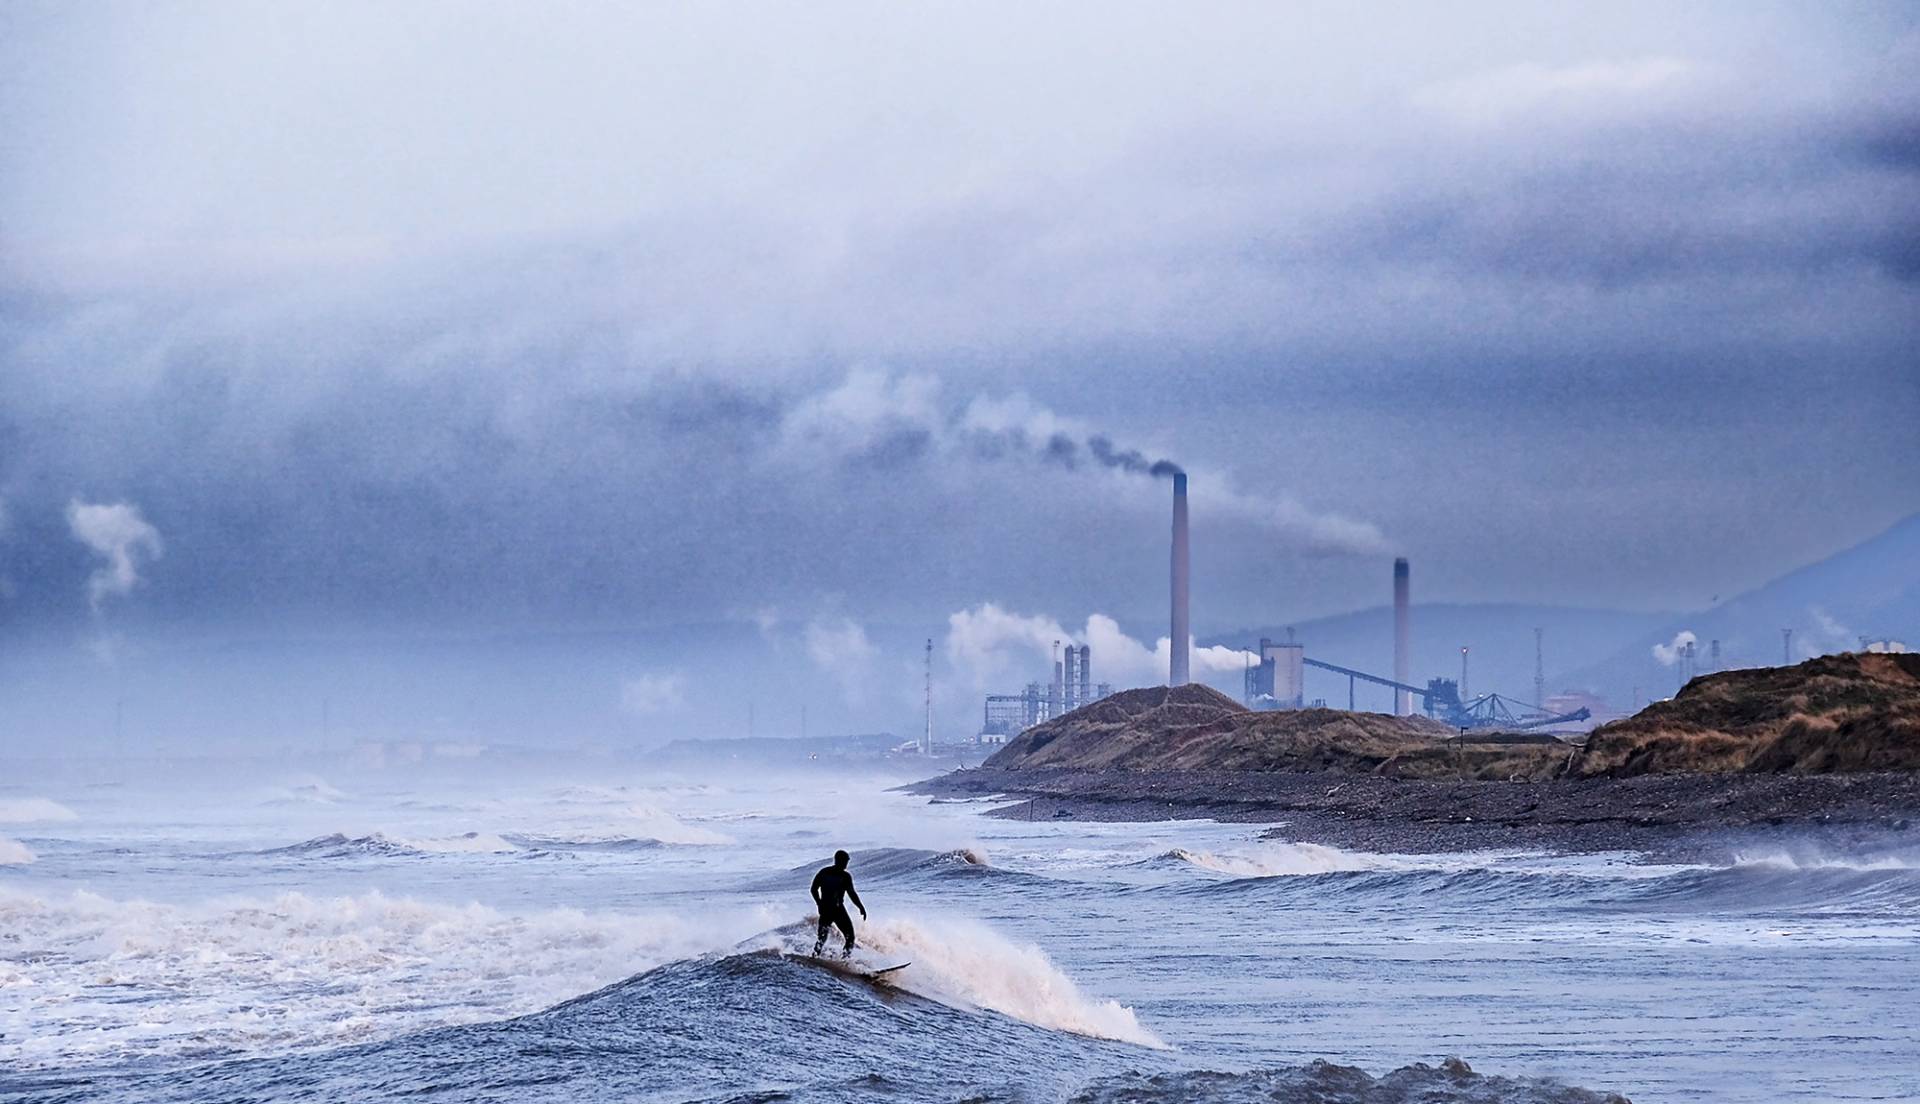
x=636, y=349
x=1640, y=209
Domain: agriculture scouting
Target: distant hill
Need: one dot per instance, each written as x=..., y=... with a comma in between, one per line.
x=1197, y=728
x=1871, y=589
x=1834, y=714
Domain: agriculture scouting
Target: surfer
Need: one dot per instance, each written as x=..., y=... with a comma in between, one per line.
x=829, y=886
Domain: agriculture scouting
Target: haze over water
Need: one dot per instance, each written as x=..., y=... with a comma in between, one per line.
x=184, y=935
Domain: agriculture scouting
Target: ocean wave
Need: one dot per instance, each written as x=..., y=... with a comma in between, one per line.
x=975, y=1016
x=94, y=979
x=1281, y=860
x=1750, y=887
x=1786, y=860
x=33, y=810
x=313, y=791
x=584, y=843
x=968, y=965
x=1451, y=1082
x=972, y=965
x=341, y=845
x=1767, y=882
x=900, y=863
x=658, y=824
x=14, y=853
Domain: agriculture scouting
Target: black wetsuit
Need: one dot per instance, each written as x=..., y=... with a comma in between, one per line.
x=830, y=886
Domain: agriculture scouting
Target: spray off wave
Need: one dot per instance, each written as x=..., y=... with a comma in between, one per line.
x=33, y=810
x=968, y=965
x=341, y=845
x=114, y=979
x=1280, y=860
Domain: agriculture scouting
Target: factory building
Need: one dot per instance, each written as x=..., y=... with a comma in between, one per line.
x=1279, y=680
x=1072, y=686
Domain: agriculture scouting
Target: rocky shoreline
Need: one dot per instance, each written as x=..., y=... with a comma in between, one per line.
x=1674, y=815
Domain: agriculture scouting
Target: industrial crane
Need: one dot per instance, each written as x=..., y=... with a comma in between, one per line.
x=1441, y=701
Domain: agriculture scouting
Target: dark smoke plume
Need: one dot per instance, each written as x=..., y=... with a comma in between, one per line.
x=1130, y=460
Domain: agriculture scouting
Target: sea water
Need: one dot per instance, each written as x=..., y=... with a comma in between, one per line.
x=603, y=930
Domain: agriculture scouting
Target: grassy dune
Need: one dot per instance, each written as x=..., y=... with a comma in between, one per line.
x=1196, y=728
x=1836, y=714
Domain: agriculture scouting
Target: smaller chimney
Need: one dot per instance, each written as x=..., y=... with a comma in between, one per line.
x=1402, y=699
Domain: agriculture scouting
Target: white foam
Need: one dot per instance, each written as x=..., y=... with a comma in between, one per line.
x=484, y=843
x=1783, y=860
x=658, y=824
x=969, y=964
x=87, y=978
x=1277, y=860
x=309, y=790
x=14, y=853
x=30, y=810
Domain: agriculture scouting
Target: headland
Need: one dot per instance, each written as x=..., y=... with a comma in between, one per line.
x=1826, y=752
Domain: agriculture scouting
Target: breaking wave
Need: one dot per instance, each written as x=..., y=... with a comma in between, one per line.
x=313, y=791
x=341, y=845
x=908, y=865
x=765, y=1025
x=14, y=853
x=658, y=824
x=99, y=978
x=1280, y=860
x=1784, y=860
x=33, y=810
x=583, y=843
x=968, y=965
x=1767, y=881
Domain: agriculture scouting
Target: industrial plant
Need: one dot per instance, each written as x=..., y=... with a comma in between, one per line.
x=1276, y=678
x=1275, y=672
x=1008, y=715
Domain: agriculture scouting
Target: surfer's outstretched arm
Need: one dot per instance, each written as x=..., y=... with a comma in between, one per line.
x=855, y=898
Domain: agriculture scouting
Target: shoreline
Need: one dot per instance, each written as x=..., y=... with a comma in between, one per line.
x=1690, y=816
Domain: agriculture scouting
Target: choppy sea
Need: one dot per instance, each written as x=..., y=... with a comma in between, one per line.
x=597, y=931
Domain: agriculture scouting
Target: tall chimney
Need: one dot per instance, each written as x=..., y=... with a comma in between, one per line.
x=1177, y=673
x=1402, y=699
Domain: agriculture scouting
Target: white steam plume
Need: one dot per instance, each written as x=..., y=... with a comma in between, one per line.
x=1669, y=653
x=995, y=647
x=654, y=692
x=119, y=535
x=840, y=647
x=1828, y=635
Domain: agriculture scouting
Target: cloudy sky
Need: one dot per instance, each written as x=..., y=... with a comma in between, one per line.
x=560, y=317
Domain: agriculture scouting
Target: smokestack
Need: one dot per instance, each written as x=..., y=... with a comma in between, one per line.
x=1402, y=699
x=1177, y=672
x=1054, y=696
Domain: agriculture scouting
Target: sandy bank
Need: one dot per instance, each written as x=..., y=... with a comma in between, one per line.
x=1660, y=813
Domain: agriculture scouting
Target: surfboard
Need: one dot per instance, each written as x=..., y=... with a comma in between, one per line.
x=842, y=966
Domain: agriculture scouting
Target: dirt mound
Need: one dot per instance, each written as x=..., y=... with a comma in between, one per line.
x=1196, y=728
x=1840, y=713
